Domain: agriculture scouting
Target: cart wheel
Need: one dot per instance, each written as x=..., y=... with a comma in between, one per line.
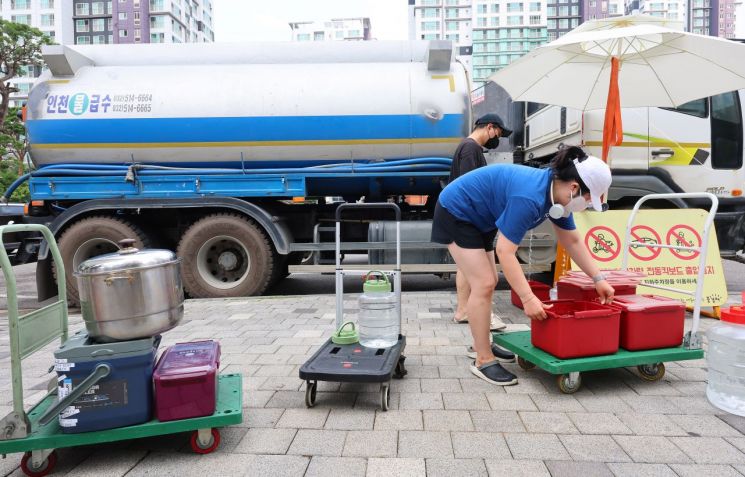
x=385, y=396
x=567, y=385
x=200, y=448
x=45, y=468
x=524, y=363
x=651, y=372
x=400, y=371
x=310, y=393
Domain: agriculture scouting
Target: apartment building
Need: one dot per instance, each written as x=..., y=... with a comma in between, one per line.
x=337, y=29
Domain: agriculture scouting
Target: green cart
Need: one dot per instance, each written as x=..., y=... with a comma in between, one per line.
x=37, y=433
x=649, y=363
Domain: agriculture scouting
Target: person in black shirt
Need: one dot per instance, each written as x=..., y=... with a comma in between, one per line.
x=469, y=156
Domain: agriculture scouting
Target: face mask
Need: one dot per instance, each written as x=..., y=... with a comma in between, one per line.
x=576, y=204
x=493, y=142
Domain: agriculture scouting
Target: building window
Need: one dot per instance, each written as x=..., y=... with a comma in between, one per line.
x=431, y=36
x=481, y=9
x=535, y=19
x=46, y=4
x=563, y=23
x=514, y=19
x=535, y=6
x=575, y=10
x=495, y=8
x=98, y=24
x=564, y=11
x=83, y=40
x=157, y=21
x=81, y=26
x=20, y=4
x=98, y=8
x=110, y=24
x=495, y=21
x=480, y=21
x=123, y=33
x=303, y=37
x=430, y=25
x=514, y=7
x=318, y=36
x=82, y=9
x=551, y=11
x=137, y=18
x=453, y=26
x=99, y=39
x=122, y=16
x=138, y=34
x=453, y=37
x=47, y=20
x=354, y=33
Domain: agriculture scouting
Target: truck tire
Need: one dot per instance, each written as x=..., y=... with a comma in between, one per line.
x=226, y=255
x=91, y=237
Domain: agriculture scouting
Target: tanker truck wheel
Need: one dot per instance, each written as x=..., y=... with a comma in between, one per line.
x=92, y=237
x=226, y=255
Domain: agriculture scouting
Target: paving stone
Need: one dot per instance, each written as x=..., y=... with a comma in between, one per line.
x=270, y=466
x=465, y=401
x=421, y=401
x=510, y=402
x=547, y=422
x=377, y=467
x=424, y=444
x=260, y=398
x=651, y=449
x=557, y=403
x=461, y=371
x=346, y=466
x=516, y=468
x=651, y=404
x=697, y=470
x=280, y=399
x=593, y=448
x=737, y=422
x=435, y=420
x=641, y=470
x=696, y=405
x=304, y=418
x=651, y=424
x=598, y=423
x=536, y=446
x=371, y=444
x=711, y=450
x=266, y=441
x=112, y=462
x=709, y=426
x=372, y=401
x=450, y=385
x=399, y=420
x=526, y=386
x=312, y=442
x=407, y=385
x=455, y=467
x=350, y=419
x=559, y=468
x=497, y=421
x=486, y=445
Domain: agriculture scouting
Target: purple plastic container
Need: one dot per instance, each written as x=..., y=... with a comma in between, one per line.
x=185, y=381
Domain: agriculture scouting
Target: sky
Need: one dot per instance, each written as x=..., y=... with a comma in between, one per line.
x=262, y=20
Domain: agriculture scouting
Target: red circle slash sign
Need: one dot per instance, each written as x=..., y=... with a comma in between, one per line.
x=603, y=243
x=685, y=236
x=644, y=234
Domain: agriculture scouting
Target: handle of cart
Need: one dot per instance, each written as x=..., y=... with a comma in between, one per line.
x=339, y=271
x=31, y=332
x=692, y=339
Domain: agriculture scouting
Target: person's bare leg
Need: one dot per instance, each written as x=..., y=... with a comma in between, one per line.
x=462, y=290
x=474, y=263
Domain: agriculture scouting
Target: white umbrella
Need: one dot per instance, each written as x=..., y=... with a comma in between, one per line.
x=657, y=66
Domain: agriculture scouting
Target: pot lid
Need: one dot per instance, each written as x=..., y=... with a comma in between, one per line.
x=127, y=258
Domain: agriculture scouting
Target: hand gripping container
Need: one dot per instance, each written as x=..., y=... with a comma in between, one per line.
x=650, y=322
x=539, y=289
x=575, y=329
x=117, y=378
x=186, y=381
x=578, y=289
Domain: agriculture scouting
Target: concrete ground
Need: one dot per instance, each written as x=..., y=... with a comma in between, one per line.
x=443, y=420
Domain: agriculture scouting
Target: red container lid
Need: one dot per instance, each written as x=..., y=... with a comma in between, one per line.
x=579, y=309
x=647, y=303
x=734, y=314
x=188, y=358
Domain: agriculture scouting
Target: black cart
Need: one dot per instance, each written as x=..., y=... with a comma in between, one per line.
x=355, y=363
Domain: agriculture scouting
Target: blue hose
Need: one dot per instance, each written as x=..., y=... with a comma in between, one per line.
x=16, y=183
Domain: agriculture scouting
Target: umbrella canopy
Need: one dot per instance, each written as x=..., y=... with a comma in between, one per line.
x=656, y=66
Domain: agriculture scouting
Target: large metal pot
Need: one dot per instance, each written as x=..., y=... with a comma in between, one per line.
x=130, y=294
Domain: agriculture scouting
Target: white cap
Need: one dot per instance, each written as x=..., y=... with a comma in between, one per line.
x=596, y=175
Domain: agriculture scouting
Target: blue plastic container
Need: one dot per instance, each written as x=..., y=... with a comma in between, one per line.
x=123, y=398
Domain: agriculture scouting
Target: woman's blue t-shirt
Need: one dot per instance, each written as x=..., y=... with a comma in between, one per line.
x=509, y=197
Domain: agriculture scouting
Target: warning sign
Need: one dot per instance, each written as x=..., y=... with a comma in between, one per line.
x=645, y=235
x=605, y=232
x=603, y=243
x=683, y=235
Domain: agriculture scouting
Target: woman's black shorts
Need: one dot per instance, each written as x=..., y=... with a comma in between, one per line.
x=447, y=228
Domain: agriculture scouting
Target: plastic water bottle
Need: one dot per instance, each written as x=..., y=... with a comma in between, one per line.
x=379, y=325
x=553, y=294
x=726, y=361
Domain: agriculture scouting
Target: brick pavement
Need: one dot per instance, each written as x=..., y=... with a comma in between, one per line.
x=443, y=420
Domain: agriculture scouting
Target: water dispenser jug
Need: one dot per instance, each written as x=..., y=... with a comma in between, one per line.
x=726, y=361
x=379, y=325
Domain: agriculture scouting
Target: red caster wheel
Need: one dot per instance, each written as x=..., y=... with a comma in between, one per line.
x=202, y=448
x=45, y=468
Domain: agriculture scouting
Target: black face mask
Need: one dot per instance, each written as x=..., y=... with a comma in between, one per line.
x=492, y=143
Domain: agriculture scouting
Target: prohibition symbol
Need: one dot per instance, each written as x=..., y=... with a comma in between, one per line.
x=644, y=234
x=603, y=243
x=684, y=236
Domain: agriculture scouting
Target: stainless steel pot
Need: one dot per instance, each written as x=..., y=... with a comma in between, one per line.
x=130, y=294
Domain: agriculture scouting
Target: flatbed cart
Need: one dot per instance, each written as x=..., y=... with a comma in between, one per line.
x=38, y=433
x=354, y=363
x=649, y=363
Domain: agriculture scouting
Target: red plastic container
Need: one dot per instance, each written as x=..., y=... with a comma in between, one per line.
x=577, y=329
x=540, y=290
x=577, y=289
x=650, y=322
x=185, y=381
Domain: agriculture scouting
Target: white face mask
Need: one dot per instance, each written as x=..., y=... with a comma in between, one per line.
x=576, y=204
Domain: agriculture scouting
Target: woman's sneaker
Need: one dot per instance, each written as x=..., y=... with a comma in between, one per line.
x=494, y=373
x=502, y=355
